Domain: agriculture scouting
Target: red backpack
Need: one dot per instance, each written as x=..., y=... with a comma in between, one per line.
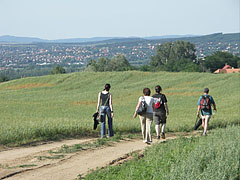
x=158, y=103
x=205, y=103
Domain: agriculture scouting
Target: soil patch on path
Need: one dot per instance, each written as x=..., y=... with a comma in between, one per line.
x=30, y=163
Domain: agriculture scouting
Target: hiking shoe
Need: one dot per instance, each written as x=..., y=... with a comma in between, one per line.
x=158, y=137
x=148, y=142
x=204, y=134
x=163, y=135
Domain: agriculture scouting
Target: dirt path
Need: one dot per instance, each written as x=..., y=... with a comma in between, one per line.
x=26, y=164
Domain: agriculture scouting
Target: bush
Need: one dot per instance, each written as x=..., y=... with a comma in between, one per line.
x=3, y=78
x=58, y=70
x=118, y=63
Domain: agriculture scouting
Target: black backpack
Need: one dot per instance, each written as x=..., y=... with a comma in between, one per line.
x=142, y=108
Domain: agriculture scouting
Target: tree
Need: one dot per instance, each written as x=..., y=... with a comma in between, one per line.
x=170, y=54
x=102, y=64
x=145, y=68
x=58, y=70
x=118, y=63
x=162, y=55
x=218, y=59
x=3, y=78
x=91, y=66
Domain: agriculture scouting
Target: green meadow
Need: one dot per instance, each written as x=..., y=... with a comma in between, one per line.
x=199, y=158
x=61, y=106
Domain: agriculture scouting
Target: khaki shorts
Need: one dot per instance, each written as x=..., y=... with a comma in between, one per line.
x=206, y=117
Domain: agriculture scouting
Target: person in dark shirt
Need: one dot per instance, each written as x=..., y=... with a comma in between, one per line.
x=160, y=110
x=106, y=108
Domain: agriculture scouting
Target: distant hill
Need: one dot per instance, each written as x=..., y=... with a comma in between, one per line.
x=14, y=39
x=80, y=40
x=208, y=44
x=169, y=36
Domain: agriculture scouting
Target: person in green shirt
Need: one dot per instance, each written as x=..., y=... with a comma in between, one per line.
x=204, y=107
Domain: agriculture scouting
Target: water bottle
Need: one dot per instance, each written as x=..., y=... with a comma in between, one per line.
x=214, y=112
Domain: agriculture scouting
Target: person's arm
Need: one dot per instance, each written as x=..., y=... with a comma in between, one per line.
x=153, y=103
x=138, y=105
x=214, y=107
x=99, y=100
x=198, y=110
x=166, y=107
x=165, y=104
x=213, y=103
x=199, y=103
x=110, y=104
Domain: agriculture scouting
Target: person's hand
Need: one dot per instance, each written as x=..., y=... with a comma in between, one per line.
x=135, y=115
x=198, y=114
x=112, y=114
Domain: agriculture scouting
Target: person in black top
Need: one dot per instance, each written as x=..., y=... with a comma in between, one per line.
x=160, y=110
x=106, y=108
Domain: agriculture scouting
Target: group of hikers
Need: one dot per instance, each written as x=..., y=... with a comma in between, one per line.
x=150, y=108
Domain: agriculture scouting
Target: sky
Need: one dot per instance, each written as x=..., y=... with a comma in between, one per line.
x=61, y=19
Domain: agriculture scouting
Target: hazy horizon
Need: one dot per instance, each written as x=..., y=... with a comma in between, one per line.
x=111, y=36
x=54, y=19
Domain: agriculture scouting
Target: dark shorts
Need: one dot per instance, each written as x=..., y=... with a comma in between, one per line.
x=159, y=117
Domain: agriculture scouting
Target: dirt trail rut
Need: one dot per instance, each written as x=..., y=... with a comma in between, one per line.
x=24, y=163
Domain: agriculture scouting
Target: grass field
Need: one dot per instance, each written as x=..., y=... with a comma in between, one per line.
x=61, y=106
x=202, y=158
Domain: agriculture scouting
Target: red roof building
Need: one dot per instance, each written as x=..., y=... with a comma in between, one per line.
x=227, y=69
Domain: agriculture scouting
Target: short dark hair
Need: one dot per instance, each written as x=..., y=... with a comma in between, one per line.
x=206, y=90
x=146, y=92
x=158, y=89
x=107, y=87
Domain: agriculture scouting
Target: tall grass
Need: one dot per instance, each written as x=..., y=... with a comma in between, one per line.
x=203, y=158
x=61, y=106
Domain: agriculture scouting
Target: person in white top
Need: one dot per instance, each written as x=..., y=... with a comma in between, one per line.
x=147, y=117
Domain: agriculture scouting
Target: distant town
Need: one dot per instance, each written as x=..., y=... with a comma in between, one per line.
x=137, y=52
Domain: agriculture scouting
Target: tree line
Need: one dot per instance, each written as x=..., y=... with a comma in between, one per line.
x=170, y=56
x=10, y=74
x=118, y=63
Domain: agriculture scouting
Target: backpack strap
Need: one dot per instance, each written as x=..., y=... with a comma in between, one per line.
x=161, y=96
x=208, y=101
x=201, y=102
x=142, y=98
